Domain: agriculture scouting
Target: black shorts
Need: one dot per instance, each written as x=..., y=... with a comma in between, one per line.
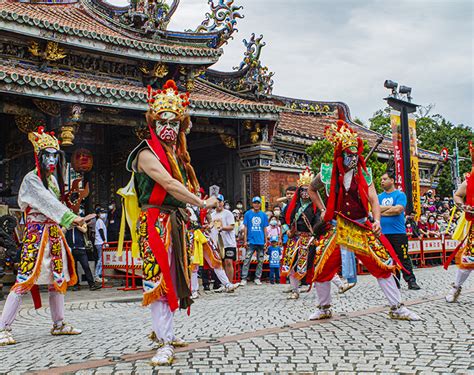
x=230, y=253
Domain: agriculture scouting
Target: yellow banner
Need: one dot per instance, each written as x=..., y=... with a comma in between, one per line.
x=351, y=236
x=415, y=172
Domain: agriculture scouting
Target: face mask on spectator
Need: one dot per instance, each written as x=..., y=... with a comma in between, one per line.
x=227, y=206
x=431, y=221
x=273, y=222
x=103, y=216
x=423, y=219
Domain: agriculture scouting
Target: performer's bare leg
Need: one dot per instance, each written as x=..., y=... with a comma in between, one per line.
x=461, y=277
x=10, y=311
x=323, y=310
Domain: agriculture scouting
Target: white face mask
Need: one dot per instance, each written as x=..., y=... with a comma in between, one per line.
x=273, y=222
x=431, y=221
x=167, y=131
x=103, y=216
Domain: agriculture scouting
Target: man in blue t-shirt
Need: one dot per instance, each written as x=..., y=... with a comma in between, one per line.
x=274, y=258
x=255, y=234
x=392, y=207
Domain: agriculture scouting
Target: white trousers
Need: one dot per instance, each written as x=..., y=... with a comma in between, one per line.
x=162, y=320
x=461, y=277
x=388, y=286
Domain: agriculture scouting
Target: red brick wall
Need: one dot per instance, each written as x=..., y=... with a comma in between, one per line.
x=279, y=181
x=260, y=183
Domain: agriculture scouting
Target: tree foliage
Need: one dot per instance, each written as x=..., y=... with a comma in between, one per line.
x=323, y=152
x=433, y=132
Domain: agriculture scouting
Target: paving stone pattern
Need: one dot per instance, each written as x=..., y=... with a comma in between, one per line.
x=370, y=342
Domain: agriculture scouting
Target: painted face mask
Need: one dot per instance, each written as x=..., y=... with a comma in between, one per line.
x=350, y=160
x=50, y=159
x=167, y=131
x=304, y=193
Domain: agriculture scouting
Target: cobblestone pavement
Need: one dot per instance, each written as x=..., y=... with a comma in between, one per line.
x=256, y=330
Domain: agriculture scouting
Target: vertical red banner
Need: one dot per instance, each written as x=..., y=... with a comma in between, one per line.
x=397, y=149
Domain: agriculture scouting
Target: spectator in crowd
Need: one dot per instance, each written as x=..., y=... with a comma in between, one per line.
x=392, y=208
x=76, y=239
x=100, y=239
x=277, y=212
x=438, y=203
x=255, y=234
x=290, y=191
x=269, y=214
x=113, y=222
x=274, y=229
x=423, y=226
x=432, y=227
x=227, y=205
x=223, y=231
x=274, y=257
x=412, y=227
x=240, y=206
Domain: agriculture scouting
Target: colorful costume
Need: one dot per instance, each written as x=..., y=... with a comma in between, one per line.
x=162, y=222
x=464, y=233
x=204, y=252
x=300, y=217
x=45, y=255
x=351, y=234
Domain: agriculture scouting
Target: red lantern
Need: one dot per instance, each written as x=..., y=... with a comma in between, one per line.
x=82, y=160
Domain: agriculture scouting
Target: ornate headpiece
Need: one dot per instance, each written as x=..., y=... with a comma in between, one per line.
x=167, y=103
x=42, y=140
x=341, y=133
x=305, y=177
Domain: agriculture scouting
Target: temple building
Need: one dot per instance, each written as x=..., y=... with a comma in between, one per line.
x=81, y=68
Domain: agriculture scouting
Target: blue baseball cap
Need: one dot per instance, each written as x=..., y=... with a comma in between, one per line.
x=220, y=198
x=273, y=239
x=256, y=199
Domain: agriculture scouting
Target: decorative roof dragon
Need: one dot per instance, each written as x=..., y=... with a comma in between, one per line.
x=222, y=20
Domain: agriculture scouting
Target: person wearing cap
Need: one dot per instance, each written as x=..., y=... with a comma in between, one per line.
x=100, y=239
x=255, y=234
x=223, y=234
x=274, y=256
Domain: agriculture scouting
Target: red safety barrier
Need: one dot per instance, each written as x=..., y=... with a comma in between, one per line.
x=124, y=264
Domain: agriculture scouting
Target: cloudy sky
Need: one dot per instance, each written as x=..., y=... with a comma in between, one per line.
x=343, y=50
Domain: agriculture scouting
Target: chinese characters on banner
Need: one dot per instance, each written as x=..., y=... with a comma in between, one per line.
x=397, y=149
x=415, y=172
x=398, y=158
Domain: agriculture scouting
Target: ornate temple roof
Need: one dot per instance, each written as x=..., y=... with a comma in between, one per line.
x=205, y=99
x=94, y=24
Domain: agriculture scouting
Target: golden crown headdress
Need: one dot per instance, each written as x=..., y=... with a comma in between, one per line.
x=341, y=133
x=42, y=140
x=305, y=177
x=167, y=103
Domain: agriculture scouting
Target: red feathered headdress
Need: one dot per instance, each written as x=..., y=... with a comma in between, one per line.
x=344, y=138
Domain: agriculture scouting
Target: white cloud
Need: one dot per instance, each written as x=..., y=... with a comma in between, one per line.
x=344, y=50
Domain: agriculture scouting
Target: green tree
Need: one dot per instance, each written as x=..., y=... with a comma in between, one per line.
x=323, y=152
x=435, y=132
x=380, y=122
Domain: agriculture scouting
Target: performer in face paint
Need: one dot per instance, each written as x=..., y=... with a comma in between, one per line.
x=165, y=182
x=45, y=256
x=464, y=233
x=350, y=190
